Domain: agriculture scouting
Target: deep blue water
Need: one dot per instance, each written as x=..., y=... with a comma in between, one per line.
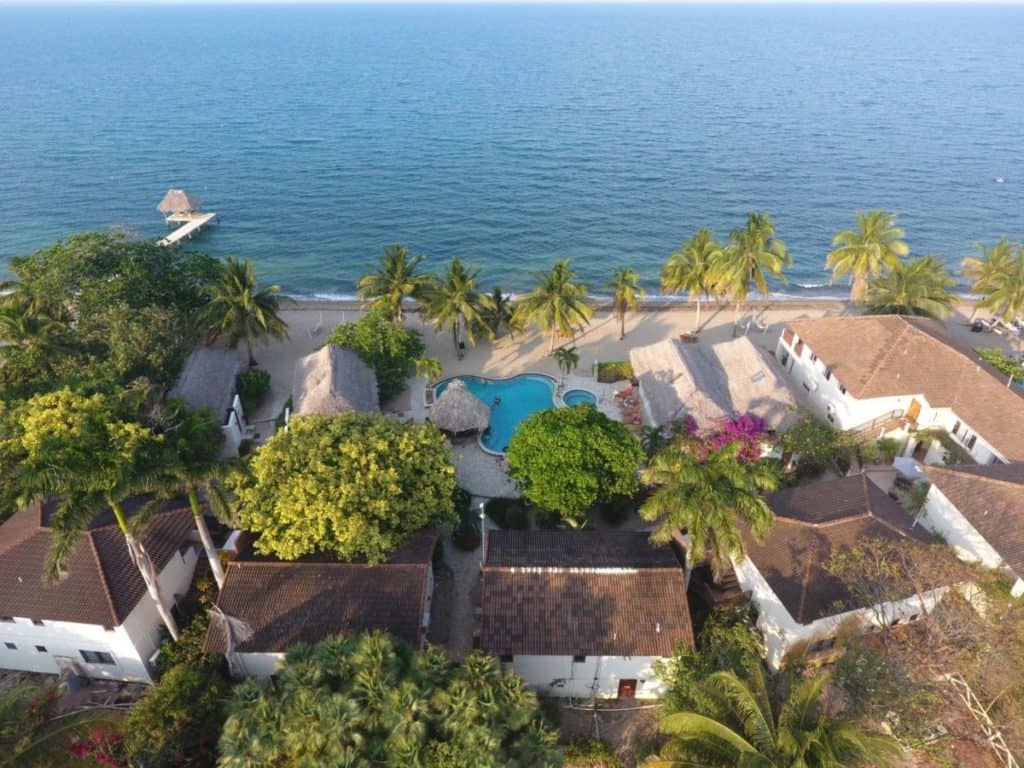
x=510, y=136
x=511, y=401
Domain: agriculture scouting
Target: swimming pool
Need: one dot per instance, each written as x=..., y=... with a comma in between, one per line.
x=579, y=397
x=511, y=401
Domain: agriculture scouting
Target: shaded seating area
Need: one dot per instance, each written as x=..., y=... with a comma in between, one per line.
x=458, y=412
x=630, y=407
x=333, y=380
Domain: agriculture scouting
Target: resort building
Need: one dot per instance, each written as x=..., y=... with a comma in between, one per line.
x=333, y=380
x=273, y=604
x=979, y=512
x=583, y=614
x=207, y=380
x=97, y=620
x=800, y=604
x=713, y=384
x=904, y=376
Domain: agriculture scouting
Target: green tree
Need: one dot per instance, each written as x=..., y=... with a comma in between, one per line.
x=239, y=310
x=567, y=358
x=82, y=450
x=557, y=304
x=355, y=485
x=429, y=368
x=920, y=287
x=455, y=302
x=498, y=311
x=815, y=444
x=568, y=459
x=708, y=497
x=742, y=724
x=395, y=279
x=999, y=277
x=876, y=244
x=391, y=350
x=371, y=700
x=753, y=255
x=626, y=295
x=988, y=271
x=691, y=268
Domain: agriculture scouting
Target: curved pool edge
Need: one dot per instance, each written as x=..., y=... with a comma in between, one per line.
x=563, y=404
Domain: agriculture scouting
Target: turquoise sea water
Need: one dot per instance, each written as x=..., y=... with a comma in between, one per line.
x=511, y=401
x=510, y=135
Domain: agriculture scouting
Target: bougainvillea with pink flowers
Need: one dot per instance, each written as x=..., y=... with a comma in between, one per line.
x=748, y=430
x=103, y=746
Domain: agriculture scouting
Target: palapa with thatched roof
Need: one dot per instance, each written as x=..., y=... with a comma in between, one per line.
x=458, y=411
x=333, y=380
x=207, y=379
x=714, y=384
x=179, y=201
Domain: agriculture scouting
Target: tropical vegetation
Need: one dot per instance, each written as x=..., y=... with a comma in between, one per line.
x=867, y=251
x=396, y=278
x=372, y=700
x=753, y=256
x=498, y=312
x=998, y=277
x=921, y=287
x=691, y=269
x=371, y=481
x=556, y=305
x=626, y=295
x=566, y=460
x=453, y=301
x=567, y=358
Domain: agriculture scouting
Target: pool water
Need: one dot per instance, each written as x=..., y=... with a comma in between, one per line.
x=511, y=401
x=579, y=397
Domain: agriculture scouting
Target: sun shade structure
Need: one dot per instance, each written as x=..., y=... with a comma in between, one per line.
x=333, y=380
x=179, y=201
x=207, y=379
x=458, y=411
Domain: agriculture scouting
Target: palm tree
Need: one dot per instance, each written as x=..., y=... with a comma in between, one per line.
x=429, y=368
x=556, y=304
x=626, y=295
x=395, y=280
x=689, y=269
x=568, y=358
x=999, y=277
x=753, y=254
x=741, y=724
x=497, y=311
x=865, y=252
x=238, y=309
x=455, y=302
x=707, y=497
x=918, y=287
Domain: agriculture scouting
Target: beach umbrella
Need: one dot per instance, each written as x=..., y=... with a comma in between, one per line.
x=458, y=411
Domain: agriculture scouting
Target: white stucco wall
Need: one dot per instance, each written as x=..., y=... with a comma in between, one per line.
x=782, y=632
x=131, y=643
x=596, y=676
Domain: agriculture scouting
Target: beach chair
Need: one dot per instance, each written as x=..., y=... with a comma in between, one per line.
x=318, y=328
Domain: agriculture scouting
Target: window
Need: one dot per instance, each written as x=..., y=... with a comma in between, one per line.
x=11, y=646
x=38, y=622
x=7, y=619
x=814, y=358
x=956, y=428
x=41, y=648
x=787, y=336
x=971, y=441
x=506, y=659
x=798, y=349
x=828, y=374
x=841, y=388
x=97, y=657
x=784, y=359
x=579, y=659
x=822, y=645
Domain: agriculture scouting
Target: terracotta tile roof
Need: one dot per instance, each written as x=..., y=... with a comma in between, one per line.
x=305, y=601
x=102, y=586
x=813, y=521
x=991, y=497
x=896, y=355
x=571, y=593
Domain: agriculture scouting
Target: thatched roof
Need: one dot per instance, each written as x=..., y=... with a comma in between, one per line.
x=333, y=380
x=207, y=379
x=712, y=384
x=458, y=410
x=179, y=201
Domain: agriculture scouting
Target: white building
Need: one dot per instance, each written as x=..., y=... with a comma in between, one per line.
x=304, y=601
x=207, y=380
x=888, y=375
x=97, y=619
x=583, y=614
x=799, y=603
x=979, y=512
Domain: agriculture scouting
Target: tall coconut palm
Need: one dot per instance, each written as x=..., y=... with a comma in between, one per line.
x=998, y=276
x=497, y=311
x=708, y=497
x=394, y=280
x=740, y=723
x=918, y=287
x=455, y=302
x=239, y=310
x=753, y=255
x=626, y=295
x=876, y=244
x=689, y=269
x=557, y=304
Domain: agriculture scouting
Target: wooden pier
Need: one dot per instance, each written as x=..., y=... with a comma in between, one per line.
x=191, y=222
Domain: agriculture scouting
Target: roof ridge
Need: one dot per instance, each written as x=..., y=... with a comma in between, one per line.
x=986, y=478
x=103, y=576
x=292, y=563
x=880, y=362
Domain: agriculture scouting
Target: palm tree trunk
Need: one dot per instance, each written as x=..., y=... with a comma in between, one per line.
x=622, y=325
x=248, y=346
x=204, y=535
x=859, y=289
x=140, y=558
x=696, y=327
x=551, y=346
x=455, y=338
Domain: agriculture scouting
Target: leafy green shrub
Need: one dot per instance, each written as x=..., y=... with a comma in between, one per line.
x=466, y=535
x=590, y=753
x=816, y=444
x=390, y=349
x=509, y=514
x=998, y=360
x=888, y=448
x=252, y=386
x=617, y=370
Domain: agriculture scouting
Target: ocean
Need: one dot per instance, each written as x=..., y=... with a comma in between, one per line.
x=511, y=136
